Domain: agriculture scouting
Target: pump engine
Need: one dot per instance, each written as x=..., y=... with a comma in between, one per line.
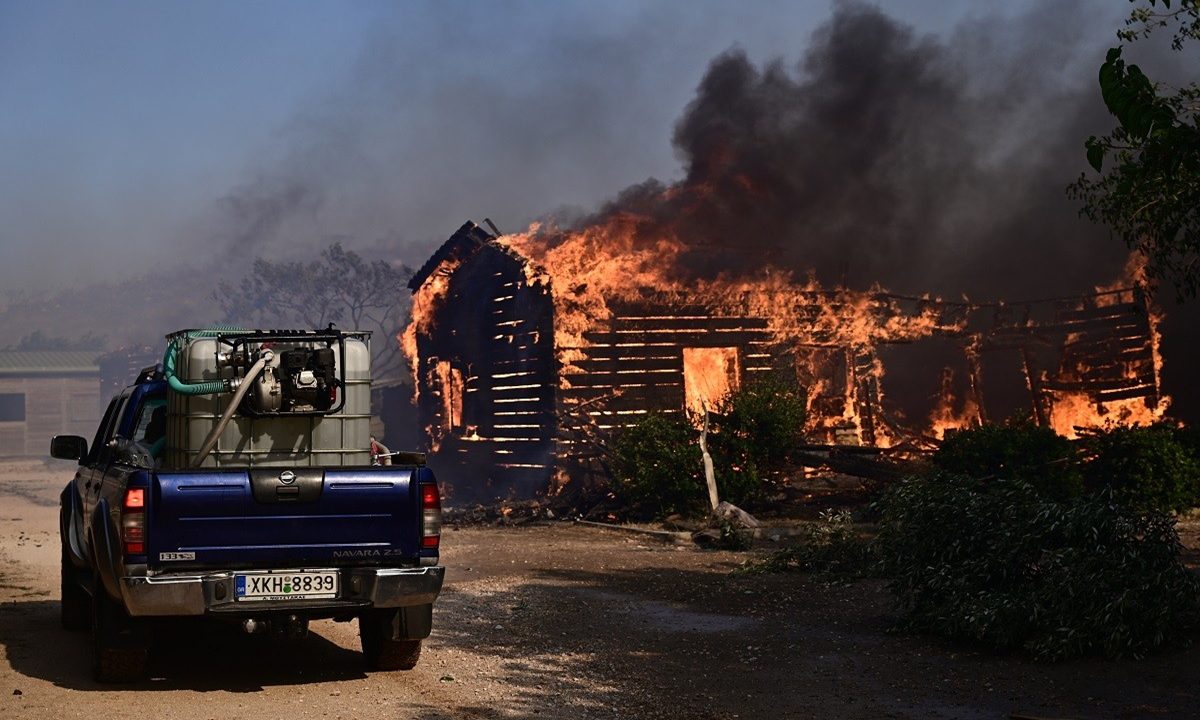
x=296, y=380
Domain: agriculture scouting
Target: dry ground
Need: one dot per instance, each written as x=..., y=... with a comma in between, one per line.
x=558, y=621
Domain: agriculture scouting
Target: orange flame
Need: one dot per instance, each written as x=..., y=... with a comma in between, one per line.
x=591, y=268
x=945, y=416
x=627, y=258
x=426, y=301
x=709, y=375
x=1073, y=411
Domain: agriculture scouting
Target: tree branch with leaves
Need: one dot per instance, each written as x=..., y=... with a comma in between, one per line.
x=1148, y=167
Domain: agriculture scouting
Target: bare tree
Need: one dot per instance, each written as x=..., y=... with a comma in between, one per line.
x=339, y=287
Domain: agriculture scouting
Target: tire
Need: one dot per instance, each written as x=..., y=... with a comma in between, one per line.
x=120, y=647
x=75, y=609
x=381, y=650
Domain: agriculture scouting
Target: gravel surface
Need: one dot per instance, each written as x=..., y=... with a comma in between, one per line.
x=554, y=620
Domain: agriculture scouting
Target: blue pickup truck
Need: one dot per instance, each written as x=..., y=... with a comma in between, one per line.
x=262, y=545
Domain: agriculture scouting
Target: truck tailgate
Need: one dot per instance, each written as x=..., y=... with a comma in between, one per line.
x=279, y=518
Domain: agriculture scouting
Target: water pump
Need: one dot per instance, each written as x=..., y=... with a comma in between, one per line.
x=299, y=380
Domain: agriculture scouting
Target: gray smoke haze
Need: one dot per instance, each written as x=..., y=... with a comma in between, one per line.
x=256, y=212
x=461, y=118
x=920, y=162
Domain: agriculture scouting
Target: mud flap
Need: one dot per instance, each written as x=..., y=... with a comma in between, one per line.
x=409, y=623
x=405, y=623
x=106, y=551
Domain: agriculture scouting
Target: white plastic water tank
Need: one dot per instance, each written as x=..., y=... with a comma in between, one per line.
x=338, y=439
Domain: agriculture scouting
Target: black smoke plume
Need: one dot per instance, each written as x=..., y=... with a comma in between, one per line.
x=921, y=163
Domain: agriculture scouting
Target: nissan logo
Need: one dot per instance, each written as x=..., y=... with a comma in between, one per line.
x=287, y=477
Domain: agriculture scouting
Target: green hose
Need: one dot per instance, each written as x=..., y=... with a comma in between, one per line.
x=172, y=354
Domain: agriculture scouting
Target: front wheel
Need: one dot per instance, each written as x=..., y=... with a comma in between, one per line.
x=381, y=649
x=120, y=647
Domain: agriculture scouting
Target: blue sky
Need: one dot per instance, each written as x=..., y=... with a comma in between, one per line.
x=126, y=127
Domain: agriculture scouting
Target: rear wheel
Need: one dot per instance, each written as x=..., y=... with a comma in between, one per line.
x=120, y=647
x=377, y=629
x=75, y=610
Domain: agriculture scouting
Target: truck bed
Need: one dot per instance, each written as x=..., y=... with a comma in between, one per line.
x=279, y=518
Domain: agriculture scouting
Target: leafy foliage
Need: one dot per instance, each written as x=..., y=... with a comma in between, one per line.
x=339, y=287
x=656, y=466
x=1002, y=565
x=764, y=420
x=755, y=432
x=1150, y=194
x=1144, y=19
x=733, y=537
x=1015, y=451
x=831, y=548
x=1149, y=468
x=1110, y=582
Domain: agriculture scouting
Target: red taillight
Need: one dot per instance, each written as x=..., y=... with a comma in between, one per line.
x=431, y=516
x=133, y=521
x=135, y=498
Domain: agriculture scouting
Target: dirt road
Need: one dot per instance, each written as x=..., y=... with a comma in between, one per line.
x=558, y=621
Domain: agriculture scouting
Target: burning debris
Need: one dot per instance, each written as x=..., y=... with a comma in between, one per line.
x=530, y=348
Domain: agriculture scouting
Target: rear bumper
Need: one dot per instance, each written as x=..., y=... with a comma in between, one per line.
x=200, y=594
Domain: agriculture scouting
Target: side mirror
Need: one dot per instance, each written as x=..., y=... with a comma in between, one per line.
x=68, y=447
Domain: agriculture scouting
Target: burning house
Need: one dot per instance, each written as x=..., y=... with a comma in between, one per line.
x=529, y=349
x=880, y=160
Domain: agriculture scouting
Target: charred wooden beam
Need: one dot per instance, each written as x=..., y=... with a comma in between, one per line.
x=854, y=464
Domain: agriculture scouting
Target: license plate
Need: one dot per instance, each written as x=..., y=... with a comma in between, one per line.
x=286, y=585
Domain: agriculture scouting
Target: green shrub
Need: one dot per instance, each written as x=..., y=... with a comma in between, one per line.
x=1190, y=437
x=657, y=468
x=1111, y=583
x=1014, y=451
x=754, y=433
x=764, y=420
x=830, y=548
x=1150, y=468
x=657, y=465
x=1000, y=564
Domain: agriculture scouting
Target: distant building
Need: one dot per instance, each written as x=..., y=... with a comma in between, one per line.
x=44, y=394
x=120, y=368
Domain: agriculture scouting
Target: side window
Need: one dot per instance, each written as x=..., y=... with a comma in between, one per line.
x=151, y=428
x=110, y=427
x=102, y=430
